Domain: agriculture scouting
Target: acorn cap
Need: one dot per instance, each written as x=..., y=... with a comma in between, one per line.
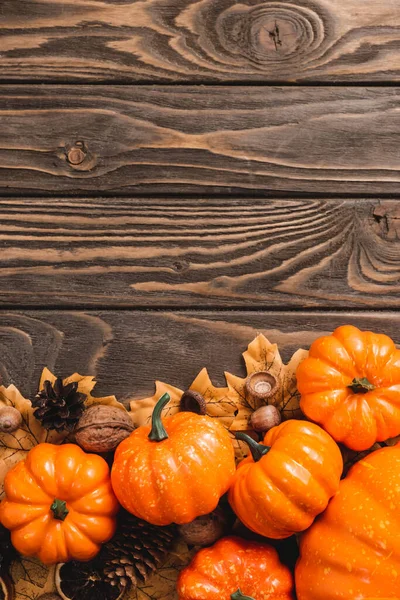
x=260, y=386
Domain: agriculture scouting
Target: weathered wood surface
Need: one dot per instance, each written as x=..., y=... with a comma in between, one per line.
x=129, y=350
x=200, y=40
x=186, y=253
x=199, y=139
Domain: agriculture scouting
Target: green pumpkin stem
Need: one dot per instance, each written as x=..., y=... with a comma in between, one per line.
x=239, y=596
x=361, y=385
x=60, y=510
x=257, y=450
x=158, y=433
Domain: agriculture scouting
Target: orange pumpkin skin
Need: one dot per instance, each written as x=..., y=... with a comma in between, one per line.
x=283, y=492
x=353, y=549
x=65, y=473
x=326, y=382
x=218, y=572
x=179, y=478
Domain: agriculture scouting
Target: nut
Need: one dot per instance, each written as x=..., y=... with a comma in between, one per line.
x=102, y=428
x=192, y=401
x=207, y=529
x=265, y=418
x=10, y=419
x=260, y=386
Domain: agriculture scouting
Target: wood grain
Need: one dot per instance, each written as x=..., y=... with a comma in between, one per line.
x=200, y=40
x=188, y=253
x=128, y=350
x=95, y=139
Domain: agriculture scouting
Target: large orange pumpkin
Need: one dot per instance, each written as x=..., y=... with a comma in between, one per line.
x=235, y=569
x=175, y=470
x=287, y=481
x=353, y=550
x=350, y=385
x=59, y=504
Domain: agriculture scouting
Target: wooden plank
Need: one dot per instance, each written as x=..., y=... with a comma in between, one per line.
x=200, y=40
x=126, y=139
x=128, y=350
x=188, y=253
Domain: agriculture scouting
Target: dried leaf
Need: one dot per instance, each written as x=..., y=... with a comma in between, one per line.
x=86, y=383
x=220, y=402
x=162, y=585
x=141, y=410
x=31, y=578
x=15, y=446
x=261, y=355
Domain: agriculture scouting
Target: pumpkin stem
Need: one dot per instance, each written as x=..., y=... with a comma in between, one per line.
x=257, y=450
x=361, y=385
x=239, y=596
x=158, y=433
x=59, y=508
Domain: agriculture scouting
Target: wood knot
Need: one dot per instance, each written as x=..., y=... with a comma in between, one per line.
x=273, y=33
x=78, y=156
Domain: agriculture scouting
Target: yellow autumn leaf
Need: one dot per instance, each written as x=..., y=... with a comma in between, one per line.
x=15, y=446
x=86, y=383
x=142, y=409
x=31, y=578
x=219, y=403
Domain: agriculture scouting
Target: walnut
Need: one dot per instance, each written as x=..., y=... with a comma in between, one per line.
x=207, y=529
x=101, y=428
x=10, y=419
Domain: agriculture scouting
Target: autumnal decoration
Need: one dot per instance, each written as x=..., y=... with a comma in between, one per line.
x=207, y=529
x=59, y=504
x=265, y=418
x=136, y=550
x=354, y=544
x=174, y=471
x=58, y=406
x=287, y=481
x=84, y=581
x=10, y=419
x=237, y=569
x=102, y=428
x=192, y=401
x=350, y=384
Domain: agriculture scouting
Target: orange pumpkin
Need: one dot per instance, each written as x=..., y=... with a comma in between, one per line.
x=353, y=549
x=174, y=471
x=287, y=481
x=235, y=569
x=59, y=504
x=350, y=385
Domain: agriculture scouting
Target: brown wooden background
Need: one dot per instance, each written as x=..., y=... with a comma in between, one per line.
x=178, y=175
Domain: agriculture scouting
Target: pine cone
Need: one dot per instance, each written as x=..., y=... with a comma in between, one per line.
x=59, y=406
x=135, y=551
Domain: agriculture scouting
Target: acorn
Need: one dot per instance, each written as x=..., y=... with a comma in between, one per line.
x=265, y=418
x=102, y=428
x=260, y=386
x=10, y=419
x=192, y=401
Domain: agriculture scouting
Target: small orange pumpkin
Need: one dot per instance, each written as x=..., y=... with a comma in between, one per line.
x=59, y=504
x=287, y=481
x=235, y=569
x=176, y=470
x=353, y=549
x=350, y=385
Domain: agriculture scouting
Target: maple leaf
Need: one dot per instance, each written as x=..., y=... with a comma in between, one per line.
x=142, y=409
x=31, y=578
x=261, y=355
x=86, y=383
x=15, y=446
